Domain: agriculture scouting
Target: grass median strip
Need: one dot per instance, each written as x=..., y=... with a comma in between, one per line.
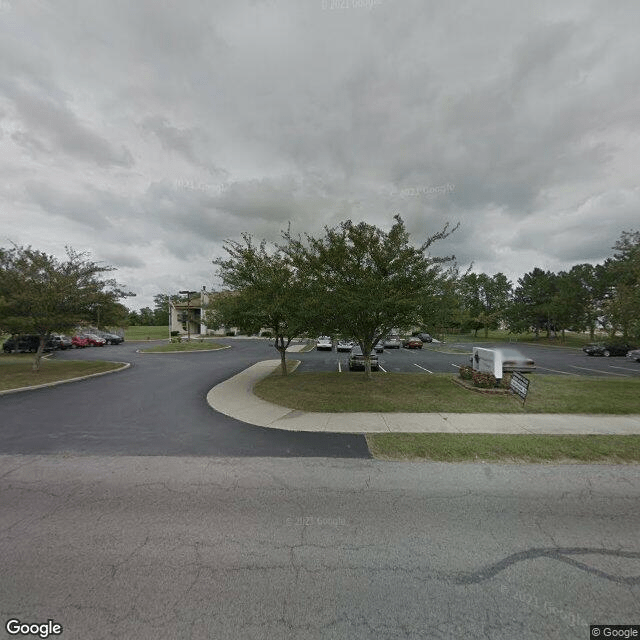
x=206, y=345
x=452, y=447
x=426, y=393
x=15, y=370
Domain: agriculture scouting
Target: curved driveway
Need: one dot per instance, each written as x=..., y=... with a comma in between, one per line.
x=156, y=407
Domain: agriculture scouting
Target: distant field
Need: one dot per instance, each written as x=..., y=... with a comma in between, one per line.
x=570, y=340
x=146, y=333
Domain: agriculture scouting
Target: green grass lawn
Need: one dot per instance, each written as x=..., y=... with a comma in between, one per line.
x=452, y=447
x=573, y=340
x=15, y=370
x=425, y=393
x=146, y=333
x=194, y=345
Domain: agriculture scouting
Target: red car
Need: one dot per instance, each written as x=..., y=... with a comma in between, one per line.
x=78, y=342
x=412, y=343
x=94, y=340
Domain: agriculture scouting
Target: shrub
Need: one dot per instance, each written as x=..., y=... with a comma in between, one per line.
x=466, y=372
x=266, y=334
x=175, y=333
x=505, y=381
x=230, y=333
x=484, y=380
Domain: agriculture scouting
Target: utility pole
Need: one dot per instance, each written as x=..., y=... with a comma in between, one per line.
x=188, y=294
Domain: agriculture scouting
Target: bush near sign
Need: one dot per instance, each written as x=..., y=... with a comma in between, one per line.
x=519, y=385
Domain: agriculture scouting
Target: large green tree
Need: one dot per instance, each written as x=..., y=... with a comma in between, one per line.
x=41, y=294
x=262, y=291
x=485, y=299
x=622, y=305
x=532, y=303
x=361, y=281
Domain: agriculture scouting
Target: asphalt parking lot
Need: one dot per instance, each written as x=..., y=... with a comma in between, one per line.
x=446, y=357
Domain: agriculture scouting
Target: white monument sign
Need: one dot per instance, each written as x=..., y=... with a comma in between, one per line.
x=489, y=360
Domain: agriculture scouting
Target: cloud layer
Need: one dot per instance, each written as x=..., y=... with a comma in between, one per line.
x=148, y=133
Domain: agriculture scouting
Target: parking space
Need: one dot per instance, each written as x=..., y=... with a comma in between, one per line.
x=446, y=358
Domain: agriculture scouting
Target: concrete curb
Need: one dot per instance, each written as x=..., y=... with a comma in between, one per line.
x=55, y=383
x=235, y=398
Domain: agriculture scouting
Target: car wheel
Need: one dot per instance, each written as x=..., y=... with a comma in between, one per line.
x=606, y=353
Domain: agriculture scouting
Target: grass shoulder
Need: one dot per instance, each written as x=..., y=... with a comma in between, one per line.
x=458, y=447
x=436, y=393
x=15, y=370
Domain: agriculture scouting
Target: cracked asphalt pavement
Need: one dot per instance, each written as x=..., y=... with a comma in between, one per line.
x=222, y=547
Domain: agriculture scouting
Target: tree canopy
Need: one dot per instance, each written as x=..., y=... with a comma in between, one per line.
x=263, y=291
x=40, y=294
x=360, y=281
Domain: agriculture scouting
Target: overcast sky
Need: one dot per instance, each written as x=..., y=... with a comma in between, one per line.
x=147, y=133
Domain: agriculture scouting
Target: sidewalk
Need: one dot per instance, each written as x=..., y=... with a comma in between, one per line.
x=235, y=398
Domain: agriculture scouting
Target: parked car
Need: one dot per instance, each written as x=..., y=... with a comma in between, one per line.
x=412, y=343
x=513, y=360
x=634, y=354
x=608, y=349
x=425, y=337
x=324, y=343
x=392, y=342
x=111, y=338
x=356, y=360
x=345, y=345
x=79, y=342
x=26, y=343
x=379, y=347
x=94, y=340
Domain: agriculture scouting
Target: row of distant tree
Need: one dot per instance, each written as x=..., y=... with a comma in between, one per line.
x=356, y=280
x=360, y=281
x=587, y=297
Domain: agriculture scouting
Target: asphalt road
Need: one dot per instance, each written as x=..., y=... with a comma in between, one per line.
x=157, y=407
x=166, y=548
x=435, y=359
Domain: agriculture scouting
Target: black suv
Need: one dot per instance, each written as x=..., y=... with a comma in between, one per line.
x=27, y=343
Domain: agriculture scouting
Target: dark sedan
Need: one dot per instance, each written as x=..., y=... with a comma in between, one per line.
x=634, y=355
x=606, y=350
x=111, y=338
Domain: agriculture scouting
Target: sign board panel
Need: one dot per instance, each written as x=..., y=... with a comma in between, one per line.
x=519, y=385
x=489, y=360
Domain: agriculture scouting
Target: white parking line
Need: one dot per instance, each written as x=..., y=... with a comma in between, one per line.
x=566, y=373
x=457, y=366
x=381, y=369
x=339, y=367
x=625, y=368
x=419, y=367
x=610, y=373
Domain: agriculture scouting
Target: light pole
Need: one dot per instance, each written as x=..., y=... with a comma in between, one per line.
x=188, y=294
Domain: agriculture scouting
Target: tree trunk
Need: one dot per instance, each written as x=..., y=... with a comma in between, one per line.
x=367, y=368
x=283, y=360
x=35, y=367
